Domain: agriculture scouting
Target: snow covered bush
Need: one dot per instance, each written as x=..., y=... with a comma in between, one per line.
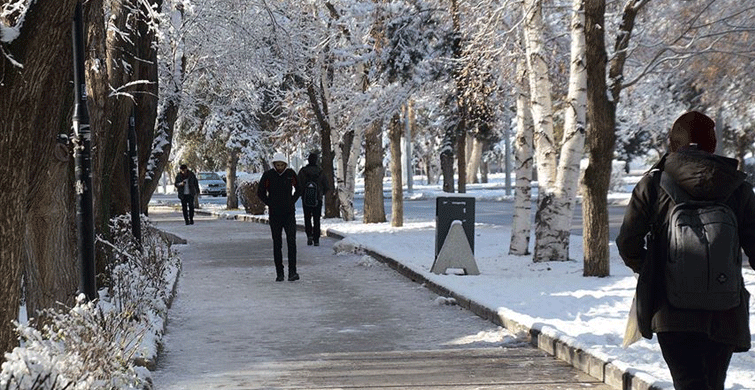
x=246, y=192
x=103, y=344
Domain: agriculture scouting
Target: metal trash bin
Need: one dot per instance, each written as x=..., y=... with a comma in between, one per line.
x=449, y=209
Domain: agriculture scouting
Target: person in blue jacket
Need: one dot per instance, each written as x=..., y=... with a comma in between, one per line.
x=279, y=190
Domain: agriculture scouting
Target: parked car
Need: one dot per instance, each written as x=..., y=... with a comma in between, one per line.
x=210, y=183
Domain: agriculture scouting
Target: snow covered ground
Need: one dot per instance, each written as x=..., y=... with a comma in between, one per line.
x=552, y=297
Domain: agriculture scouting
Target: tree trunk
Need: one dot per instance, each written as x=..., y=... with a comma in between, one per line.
x=31, y=107
x=350, y=147
x=567, y=179
x=447, y=165
x=521, y=223
x=374, y=204
x=474, y=158
x=601, y=116
x=546, y=241
x=107, y=53
x=50, y=269
x=232, y=200
x=602, y=99
x=159, y=148
x=461, y=125
x=320, y=108
x=397, y=193
x=146, y=101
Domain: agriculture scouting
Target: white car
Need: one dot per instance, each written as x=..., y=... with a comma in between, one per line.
x=210, y=183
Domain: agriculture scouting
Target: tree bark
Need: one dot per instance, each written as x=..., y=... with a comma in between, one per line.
x=602, y=98
x=40, y=89
x=546, y=241
x=447, y=163
x=397, y=193
x=320, y=108
x=572, y=145
x=232, y=200
x=374, y=205
x=599, y=140
x=475, y=159
x=158, y=149
x=351, y=147
x=521, y=223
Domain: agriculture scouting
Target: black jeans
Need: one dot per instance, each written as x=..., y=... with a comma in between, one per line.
x=278, y=223
x=312, y=221
x=187, y=206
x=695, y=362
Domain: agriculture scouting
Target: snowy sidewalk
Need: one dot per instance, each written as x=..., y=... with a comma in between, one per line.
x=580, y=320
x=350, y=322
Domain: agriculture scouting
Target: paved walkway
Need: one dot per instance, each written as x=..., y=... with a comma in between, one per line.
x=350, y=322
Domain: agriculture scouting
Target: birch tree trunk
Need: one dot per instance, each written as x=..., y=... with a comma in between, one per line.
x=397, y=193
x=521, y=223
x=351, y=147
x=474, y=158
x=546, y=241
x=567, y=179
x=374, y=205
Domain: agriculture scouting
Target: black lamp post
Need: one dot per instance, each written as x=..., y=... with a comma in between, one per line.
x=82, y=151
x=133, y=166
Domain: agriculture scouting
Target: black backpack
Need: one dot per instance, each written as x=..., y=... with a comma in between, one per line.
x=310, y=197
x=704, y=266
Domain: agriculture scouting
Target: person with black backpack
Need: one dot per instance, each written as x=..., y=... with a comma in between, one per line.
x=313, y=187
x=684, y=229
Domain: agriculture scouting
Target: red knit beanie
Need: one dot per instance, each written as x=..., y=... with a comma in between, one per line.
x=693, y=128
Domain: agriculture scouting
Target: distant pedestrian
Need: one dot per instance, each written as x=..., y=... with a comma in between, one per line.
x=697, y=331
x=313, y=187
x=279, y=190
x=187, y=187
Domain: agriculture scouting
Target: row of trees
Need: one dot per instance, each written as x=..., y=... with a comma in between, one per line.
x=234, y=80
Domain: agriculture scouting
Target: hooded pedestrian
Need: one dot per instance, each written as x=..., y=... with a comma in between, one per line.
x=314, y=186
x=278, y=189
x=697, y=341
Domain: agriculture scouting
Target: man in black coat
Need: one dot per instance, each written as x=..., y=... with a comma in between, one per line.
x=697, y=345
x=312, y=173
x=279, y=190
x=187, y=187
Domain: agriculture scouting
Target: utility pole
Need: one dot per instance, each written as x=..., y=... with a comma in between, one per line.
x=133, y=166
x=82, y=150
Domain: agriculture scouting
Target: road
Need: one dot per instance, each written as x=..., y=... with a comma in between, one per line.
x=486, y=211
x=350, y=322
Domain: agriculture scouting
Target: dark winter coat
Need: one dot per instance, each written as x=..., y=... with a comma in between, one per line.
x=190, y=180
x=279, y=191
x=705, y=177
x=312, y=172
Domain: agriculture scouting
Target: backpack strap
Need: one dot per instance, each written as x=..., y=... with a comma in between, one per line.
x=677, y=194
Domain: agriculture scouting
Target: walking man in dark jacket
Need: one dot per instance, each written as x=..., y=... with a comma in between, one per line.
x=314, y=185
x=187, y=187
x=696, y=344
x=279, y=190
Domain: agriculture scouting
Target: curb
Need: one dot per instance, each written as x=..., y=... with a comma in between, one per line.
x=605, y=371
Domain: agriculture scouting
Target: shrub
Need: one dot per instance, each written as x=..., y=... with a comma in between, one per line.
x=247, y=195
x=101, y=344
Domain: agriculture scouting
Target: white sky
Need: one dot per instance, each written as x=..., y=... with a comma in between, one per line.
x=589, y=313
